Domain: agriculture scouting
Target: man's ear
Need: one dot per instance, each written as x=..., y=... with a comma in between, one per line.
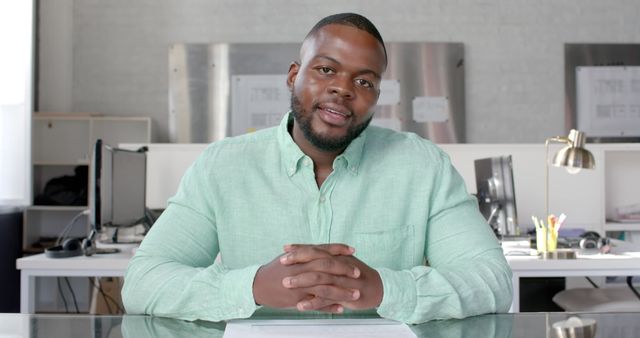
x=293, y=73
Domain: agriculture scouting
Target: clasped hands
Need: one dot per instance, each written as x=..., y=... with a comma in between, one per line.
x=324, y=277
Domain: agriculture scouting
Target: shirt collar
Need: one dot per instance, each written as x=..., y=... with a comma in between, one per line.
x=292, y=155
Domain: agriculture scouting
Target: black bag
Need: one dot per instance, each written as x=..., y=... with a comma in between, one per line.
x=66, y=190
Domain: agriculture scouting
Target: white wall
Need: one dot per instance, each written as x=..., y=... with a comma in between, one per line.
x=115, y=61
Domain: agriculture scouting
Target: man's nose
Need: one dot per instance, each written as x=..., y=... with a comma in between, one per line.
x=342, y=86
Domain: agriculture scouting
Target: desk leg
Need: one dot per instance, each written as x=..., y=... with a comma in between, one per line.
x=515, y=304
x=27, y=293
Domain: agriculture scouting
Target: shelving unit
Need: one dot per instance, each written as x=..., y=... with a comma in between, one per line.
x=617, y=226
x=622, y=184
x=61, y=143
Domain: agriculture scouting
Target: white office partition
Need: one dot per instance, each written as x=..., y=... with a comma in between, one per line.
x=166, y=164
x=588, y=198
x=579, y=196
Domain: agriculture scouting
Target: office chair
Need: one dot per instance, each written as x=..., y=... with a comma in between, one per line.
x=613, y=299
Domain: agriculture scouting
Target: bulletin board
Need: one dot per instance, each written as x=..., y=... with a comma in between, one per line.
x=226, y=89
x=608, y=100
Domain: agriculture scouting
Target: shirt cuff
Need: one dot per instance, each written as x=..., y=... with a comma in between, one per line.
x=399, y=298
x=237, y=286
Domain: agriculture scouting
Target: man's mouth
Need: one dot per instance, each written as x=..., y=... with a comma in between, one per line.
x=334, y=114
x=343, y=113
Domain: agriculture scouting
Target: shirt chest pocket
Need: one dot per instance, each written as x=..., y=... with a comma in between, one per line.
x=390, y=248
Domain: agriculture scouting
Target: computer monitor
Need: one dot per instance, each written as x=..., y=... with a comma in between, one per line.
x=117, y=188
x=496, y=194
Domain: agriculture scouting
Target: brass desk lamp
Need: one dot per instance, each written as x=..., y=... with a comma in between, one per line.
x=574, y=157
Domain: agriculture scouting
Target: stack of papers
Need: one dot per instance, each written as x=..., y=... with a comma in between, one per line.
x=317, y=328
x=628, y=214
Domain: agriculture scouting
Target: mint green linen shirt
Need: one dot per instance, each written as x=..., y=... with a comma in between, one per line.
x=394, y=197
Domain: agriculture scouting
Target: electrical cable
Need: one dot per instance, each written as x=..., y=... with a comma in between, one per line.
x=115, y=302
x=69, y=226
x=633, y=289
x=107, y=297
x=592, y=283
x=120, y=308
x=104, y=297
x=64, y=300
x=73, y=294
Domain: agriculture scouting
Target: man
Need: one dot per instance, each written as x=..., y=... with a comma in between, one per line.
x=414, y=247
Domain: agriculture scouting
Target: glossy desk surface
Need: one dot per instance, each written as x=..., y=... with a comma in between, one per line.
x=524, y=325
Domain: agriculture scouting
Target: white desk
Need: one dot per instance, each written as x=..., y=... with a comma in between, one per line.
x=108, y=265
x=584, y=265
x=114, y=265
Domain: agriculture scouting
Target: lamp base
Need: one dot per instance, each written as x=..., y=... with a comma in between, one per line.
x=559, y=254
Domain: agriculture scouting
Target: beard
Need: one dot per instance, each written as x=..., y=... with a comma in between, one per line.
x=324, y=142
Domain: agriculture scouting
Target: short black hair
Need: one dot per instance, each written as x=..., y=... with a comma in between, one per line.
x=354, y=20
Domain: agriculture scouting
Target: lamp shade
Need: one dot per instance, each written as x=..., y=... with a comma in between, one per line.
x=573, y=157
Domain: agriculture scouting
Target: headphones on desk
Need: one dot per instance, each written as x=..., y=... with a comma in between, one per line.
x=591, y=240
x=70, y=247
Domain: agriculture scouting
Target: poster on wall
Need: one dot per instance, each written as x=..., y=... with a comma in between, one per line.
x=257, y=102
x=608, y=100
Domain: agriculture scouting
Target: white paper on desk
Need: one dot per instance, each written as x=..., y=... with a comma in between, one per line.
x=317, y=328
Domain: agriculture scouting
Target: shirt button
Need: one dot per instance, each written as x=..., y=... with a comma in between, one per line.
x=307, y=162
x=322, y=198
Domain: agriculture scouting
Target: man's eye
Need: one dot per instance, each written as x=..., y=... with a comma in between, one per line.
x=325, y=70
x=364, y=83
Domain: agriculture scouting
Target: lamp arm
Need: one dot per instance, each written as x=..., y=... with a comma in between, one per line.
x=558, y=139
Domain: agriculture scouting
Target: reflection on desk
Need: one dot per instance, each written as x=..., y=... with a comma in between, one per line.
x=524, y=325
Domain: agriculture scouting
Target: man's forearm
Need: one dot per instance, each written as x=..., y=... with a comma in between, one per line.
x=162, y=287
x=424, y=293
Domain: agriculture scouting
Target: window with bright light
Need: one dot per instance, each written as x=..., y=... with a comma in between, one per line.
x=16, y=59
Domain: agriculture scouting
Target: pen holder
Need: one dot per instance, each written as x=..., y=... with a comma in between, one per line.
x=545, y=242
